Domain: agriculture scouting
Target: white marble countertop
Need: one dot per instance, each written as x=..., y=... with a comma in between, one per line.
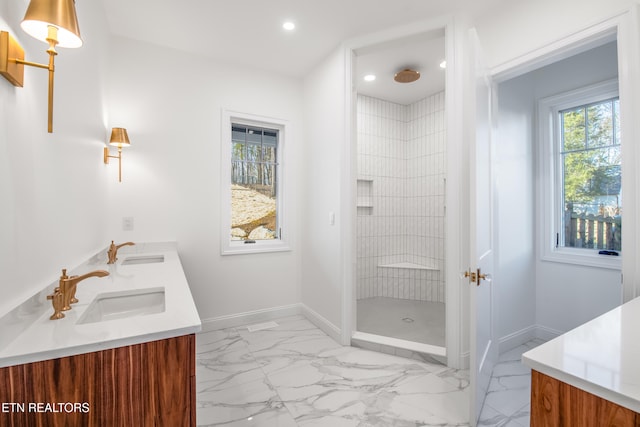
x=601, y=357
x=29, y=336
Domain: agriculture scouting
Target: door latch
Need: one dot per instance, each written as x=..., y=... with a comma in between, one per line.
x=475, y=276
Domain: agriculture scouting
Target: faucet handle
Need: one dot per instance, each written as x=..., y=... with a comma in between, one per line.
x=57, y=300
x=55, y=291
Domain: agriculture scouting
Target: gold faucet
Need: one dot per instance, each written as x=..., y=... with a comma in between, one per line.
x=113, y=251
x=65, y=294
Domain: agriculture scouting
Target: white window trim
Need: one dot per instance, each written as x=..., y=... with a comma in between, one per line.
x=284, y=242
x=549, y=170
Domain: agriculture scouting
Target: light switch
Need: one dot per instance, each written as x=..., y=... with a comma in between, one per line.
x=332, y=218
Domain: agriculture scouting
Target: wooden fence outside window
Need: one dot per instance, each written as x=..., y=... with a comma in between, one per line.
x=583, y=230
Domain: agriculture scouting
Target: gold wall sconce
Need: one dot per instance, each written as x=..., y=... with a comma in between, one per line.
x=51, y=21
x=119, y=138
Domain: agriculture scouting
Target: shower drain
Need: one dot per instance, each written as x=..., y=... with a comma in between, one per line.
x=407, y=319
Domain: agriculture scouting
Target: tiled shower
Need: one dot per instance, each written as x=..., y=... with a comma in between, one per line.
x=401, y=185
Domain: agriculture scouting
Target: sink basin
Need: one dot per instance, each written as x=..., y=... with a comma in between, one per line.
x=148, y=259
x=124, y=304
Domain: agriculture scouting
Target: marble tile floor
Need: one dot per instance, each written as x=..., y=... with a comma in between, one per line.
x=419, y=321
x=508, y=399
x=295, y=375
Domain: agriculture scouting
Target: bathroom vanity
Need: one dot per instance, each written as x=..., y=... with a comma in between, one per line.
x=123, y=355
x=589, y=376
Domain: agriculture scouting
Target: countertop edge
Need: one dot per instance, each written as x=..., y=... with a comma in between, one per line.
x=598, y=357
x=100, y=346
x=582, y=384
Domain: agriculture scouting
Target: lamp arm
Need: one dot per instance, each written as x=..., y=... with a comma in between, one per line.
x=32, y=64
x=52, y=55
x=53, y=41
x=51, y=68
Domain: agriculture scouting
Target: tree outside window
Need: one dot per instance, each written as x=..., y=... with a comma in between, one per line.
x=253, y=183
x=591, y=171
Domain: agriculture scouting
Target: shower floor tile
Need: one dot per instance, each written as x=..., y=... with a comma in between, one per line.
x=418, y=321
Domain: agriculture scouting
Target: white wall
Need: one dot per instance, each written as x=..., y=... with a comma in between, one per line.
x=322, y=243
x=171, y=104
x=514, y=168
x=565, y=295
x=568, y=295
x=515, y=28
x=53, y=188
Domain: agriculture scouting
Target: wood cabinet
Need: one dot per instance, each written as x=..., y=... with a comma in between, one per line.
x=149, y=384
x=555, y=404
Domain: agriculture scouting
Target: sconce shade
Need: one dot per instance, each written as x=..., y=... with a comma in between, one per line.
x=119, y=137
x=57, y=13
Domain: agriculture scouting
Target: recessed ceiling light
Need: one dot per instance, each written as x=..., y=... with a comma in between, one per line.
x=443, y=64
x=369, y=78
x=289, y=26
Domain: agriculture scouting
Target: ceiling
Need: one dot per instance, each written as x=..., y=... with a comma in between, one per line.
x=250, y=33
x=423, y=53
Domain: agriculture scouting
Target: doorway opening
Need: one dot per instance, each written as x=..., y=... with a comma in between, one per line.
x=525, y=166
x=400, y=201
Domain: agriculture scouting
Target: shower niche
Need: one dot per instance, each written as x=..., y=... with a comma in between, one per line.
x=364, y=196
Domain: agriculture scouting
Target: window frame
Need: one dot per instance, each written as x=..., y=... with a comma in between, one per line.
x=550, y=175
x=284, y=239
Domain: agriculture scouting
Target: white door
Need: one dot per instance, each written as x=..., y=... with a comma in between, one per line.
x=483, y=347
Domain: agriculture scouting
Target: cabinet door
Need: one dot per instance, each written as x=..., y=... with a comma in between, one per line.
x=52, y=393
x=121, y=399
x=169, y=374
x=12, y=393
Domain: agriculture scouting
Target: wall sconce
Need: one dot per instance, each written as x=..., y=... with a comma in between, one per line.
x=51, y=21
x=119, y=138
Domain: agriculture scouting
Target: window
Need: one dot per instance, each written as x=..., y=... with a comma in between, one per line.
x=252, y=196
x=253, y=183
x=581, y=197
x=591, y=178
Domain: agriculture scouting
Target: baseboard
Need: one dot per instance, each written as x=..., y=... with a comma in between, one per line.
x=250, y=317
x=258, y=316
x=321, y=322
x=516, y=339
x=524, y=335
x=546, y=334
